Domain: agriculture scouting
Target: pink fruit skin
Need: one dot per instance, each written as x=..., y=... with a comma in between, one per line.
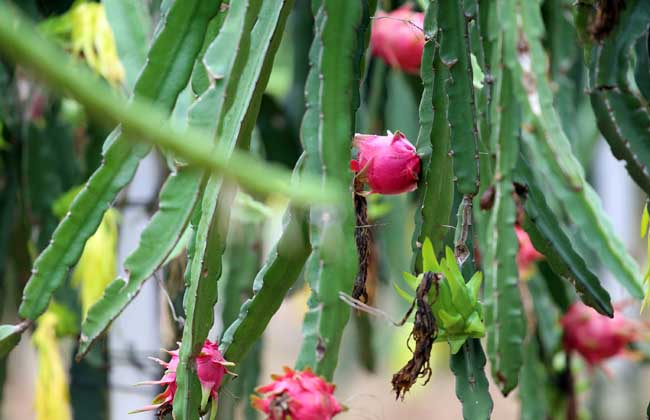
x=595, y=336
x=527, y=253
x=303, y=395
x=388, y=164
x=168, y=381
x=211, y=368
x=396, y=41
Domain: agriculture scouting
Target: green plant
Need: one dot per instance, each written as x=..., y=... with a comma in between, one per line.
x=504, y=135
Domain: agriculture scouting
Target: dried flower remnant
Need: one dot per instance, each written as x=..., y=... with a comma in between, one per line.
x=363, y=240
x=424, y=333
x=606, y=17
x=487, y=199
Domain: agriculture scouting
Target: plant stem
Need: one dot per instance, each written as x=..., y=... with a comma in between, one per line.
x=143, y=122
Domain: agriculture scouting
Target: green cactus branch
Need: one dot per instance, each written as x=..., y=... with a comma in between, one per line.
x=259, y=38
x=505, y=314
x=178, y=198
x=436, y=184
x=455, y=54
x=506, y=233
x=157, y=82
x=550, y=149
x=309, y=136
x=144, y=123
x=339, y=93
x=468, y=365
x=177, y=201
x=623, y=113
x=271, y=285
x=549, y=238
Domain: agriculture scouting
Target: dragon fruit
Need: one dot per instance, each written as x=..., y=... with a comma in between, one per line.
x=527, y=254
x=211, y=367
x=297, y=395
x=388, y=164
x=596, y=337
x=398, y=38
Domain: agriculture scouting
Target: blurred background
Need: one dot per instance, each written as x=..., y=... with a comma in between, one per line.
x=49, y=147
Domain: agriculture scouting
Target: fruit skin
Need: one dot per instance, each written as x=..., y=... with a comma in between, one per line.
x=527, y=253
x=595, y=336
x=298, y=395
x=211, y=367
x=398, y=42
x=388, y=164
x=168, y=381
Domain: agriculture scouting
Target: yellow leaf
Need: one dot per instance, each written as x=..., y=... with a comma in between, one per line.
x=85, y=31
x=645, y=221
x=97, y=265
x=52, y=393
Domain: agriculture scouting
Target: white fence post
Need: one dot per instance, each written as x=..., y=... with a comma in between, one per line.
x=135, y=334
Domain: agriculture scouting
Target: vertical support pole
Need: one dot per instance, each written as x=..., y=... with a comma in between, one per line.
x=135, y=334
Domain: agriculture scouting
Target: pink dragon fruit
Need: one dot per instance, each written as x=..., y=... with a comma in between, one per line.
x=211, y=367
x=398, y=38
x=527, y=254
x=595, y=336
x=388, y=164
x=168, y=381
x=297, y=396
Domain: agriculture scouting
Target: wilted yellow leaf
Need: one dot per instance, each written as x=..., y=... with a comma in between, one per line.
x=97, y=265
x=93, y=38
x=85, y=31
x=645, y=222
x=52, y=393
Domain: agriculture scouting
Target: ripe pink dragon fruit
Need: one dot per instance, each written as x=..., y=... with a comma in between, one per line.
x=595, y=336
x=388, y=164
x=211, y=367
x=527, y=254
x=297, y=396
x=398, y=38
